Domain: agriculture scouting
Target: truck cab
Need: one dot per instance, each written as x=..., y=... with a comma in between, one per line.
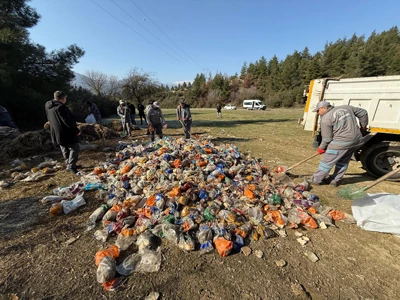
x=380, y=96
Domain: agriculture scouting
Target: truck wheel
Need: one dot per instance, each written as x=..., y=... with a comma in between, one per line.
x=379, y=159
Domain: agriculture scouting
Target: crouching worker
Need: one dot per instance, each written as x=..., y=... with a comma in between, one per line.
x=63, y=129
x=341, y=137
x=155, y=120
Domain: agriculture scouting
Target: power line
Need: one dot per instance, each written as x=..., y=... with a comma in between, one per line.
x=150, y=32
x=155, y=45
x=166, y=34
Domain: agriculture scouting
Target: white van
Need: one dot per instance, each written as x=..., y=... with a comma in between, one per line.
x=254, y=105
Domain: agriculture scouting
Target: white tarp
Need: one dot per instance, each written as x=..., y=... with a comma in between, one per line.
x=378, y=212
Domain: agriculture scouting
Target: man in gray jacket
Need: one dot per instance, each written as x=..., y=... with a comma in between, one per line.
x=124, y=113
x=341, y=137
x=155, y=120
x=185, y=117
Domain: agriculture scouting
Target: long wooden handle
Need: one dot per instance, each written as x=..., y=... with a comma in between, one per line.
x=383, y=178
x=303, y=161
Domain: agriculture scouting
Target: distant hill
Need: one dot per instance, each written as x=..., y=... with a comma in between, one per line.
x=78, y=80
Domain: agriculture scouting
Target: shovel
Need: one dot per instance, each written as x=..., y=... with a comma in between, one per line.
x=353, y=192
x=301, y=162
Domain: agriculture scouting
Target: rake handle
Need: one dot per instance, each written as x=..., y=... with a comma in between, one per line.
x=383, y=178
x=303, y=161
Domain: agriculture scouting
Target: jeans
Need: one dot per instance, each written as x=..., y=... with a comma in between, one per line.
x=70, y=154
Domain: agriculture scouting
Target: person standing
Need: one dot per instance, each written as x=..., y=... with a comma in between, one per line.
x=133, y=113
x=63, y=129
x=95, y=111
x=219, y=111
x=155, y=120
x=141, y=113
x=5, y=118
x=185, y=117
x=341, y=137
x=124, y=113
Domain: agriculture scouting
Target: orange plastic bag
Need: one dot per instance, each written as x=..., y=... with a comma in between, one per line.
x=240, y=232
x=112, y=172
x=248, y=193
x=310, y=223
x=175, y=192
x=126, y=169
x=177, y=163
x=151, y=201
x=276, y=217
x=117, y=208
x=112, y=251
x=208, y=150
x=251, y=187
x=337, y=215
x=98, y=171
x=223, y=246
x=128, y=232
x=312, y=210
x=201, y=163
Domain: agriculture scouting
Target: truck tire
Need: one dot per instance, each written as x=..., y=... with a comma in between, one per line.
x=381, y=158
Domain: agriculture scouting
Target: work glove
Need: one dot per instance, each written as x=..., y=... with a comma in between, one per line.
x=321, y=151
x=364, y=130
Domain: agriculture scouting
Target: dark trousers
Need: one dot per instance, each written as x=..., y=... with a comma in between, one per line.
x=133, y=119
x=142, y=117
x=70, y=154
x=157, y=129
x=186, y=128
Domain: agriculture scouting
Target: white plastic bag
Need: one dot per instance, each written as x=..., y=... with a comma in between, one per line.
x=90, y=119
x=72, y=205
x=378, y=212
x=144, y=261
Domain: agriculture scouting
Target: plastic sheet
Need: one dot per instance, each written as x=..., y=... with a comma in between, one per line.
x=378, y=212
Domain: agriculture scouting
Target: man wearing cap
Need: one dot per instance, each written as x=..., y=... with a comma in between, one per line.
x=63, y=129
x=155, y=120
x=185, y=117
x=124, y=113
x=341, y=137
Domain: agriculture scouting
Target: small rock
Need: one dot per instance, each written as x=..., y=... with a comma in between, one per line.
x=306, y=238
x=322, y=225
x=258, y=253
x=72, y=240
x=301, y=241
x=298, y=291
x=281, y=263
x=246, y=250
x=282, y=232
x=298, y=234
x=311, y=256
x=153, y=296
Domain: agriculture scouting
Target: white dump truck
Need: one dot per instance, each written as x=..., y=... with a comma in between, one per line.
x=380, y=96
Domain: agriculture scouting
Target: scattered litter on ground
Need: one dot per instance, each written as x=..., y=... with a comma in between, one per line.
x=153, y=296
x=193, y=194
x=72, y=240
x=311, y=256
x=246, y=250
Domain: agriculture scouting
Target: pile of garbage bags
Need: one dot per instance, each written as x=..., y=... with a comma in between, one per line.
x=192, y=193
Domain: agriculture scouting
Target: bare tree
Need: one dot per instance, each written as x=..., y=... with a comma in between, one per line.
x=113, y=88
x=96, y=82
x=139, y=85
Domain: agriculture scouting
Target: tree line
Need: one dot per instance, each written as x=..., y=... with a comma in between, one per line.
x=29, y=74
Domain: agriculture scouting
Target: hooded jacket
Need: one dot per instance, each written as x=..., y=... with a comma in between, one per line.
x=183, y=113
x=63, y=128
x=339, y=128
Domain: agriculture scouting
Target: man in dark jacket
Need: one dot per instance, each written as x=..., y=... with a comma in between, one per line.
x=184, y=117
x=95, y=111
x=142, y=115
x=63, y=128
x=133, y=113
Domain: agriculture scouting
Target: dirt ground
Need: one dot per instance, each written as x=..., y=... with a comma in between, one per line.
x=37, y=263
